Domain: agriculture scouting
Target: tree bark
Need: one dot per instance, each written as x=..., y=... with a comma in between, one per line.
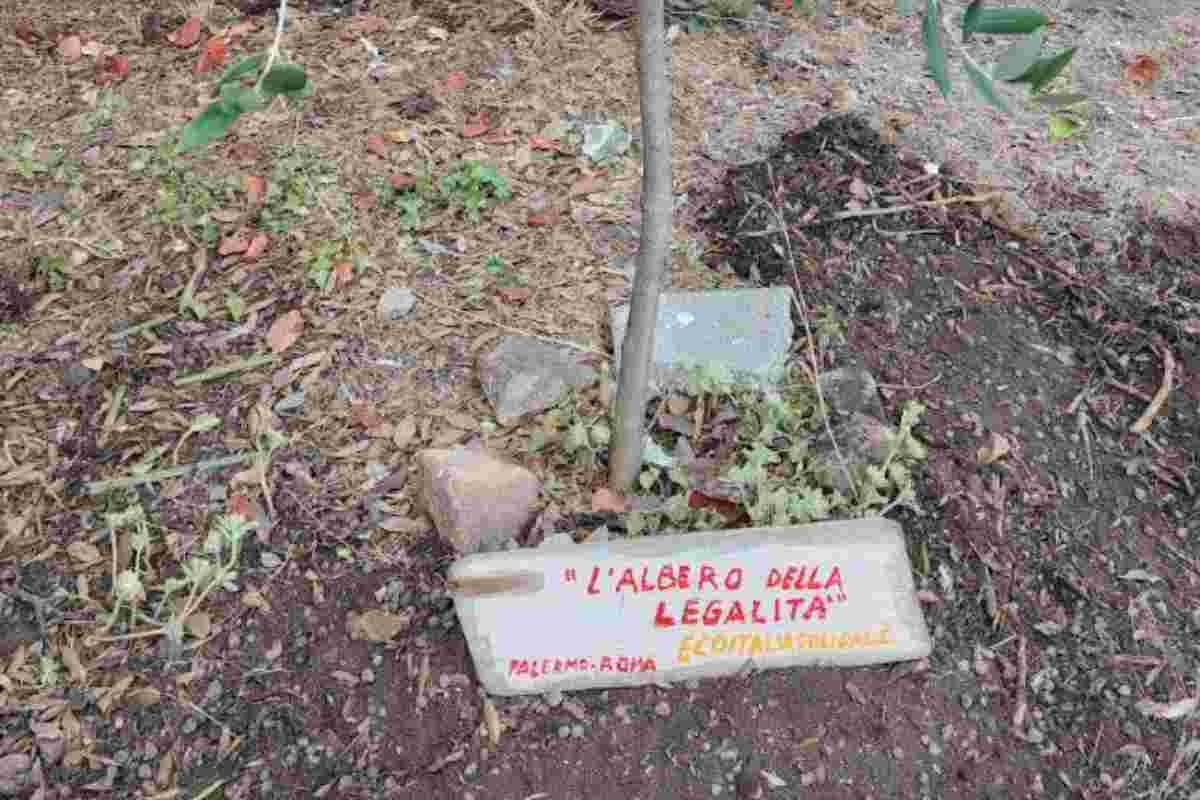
x=637, y=351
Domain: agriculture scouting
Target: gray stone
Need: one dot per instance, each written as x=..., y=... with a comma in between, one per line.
x=14, y=773
x=397, y=302
x=523, y=375
x=477, y=500
x=77, y=376
x=682, y=607
x=851, y=390
x=742, y=334
x=861, y=440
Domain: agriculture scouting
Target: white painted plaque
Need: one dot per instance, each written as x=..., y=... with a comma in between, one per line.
x=669, y=608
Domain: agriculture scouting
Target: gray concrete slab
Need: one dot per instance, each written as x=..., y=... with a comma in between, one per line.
x=746, y=332
x=670, y=608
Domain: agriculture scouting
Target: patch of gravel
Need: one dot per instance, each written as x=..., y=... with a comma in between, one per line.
x=1137, y=157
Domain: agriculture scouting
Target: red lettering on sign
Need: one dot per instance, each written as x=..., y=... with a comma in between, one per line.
x=683, y=578
x=736, y=613
x=794, y=602
x=606, y=664
x=816, y=606
x=707, y=575
x=835, y=579
x=691, y=612
x=661, y=618
x=666, y=577
x=755, y=616
x=712, y=613
x=733, y=579
x=646, y=586
x=813, y=583
x=627, y=579
x=592, y=588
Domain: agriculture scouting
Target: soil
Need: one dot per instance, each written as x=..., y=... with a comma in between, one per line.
x=1037, y=297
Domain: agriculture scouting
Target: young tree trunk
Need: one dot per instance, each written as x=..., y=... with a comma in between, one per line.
x=637, y=351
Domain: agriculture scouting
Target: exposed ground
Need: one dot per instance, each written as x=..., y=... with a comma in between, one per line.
x=1051, y=330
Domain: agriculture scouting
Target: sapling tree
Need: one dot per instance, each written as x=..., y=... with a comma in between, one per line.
x=1022, y=63
x=273, y=78
x=637, y=351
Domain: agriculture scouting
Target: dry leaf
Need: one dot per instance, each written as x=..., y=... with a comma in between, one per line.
x=604, y=499
x=235, y=243
x=514, y=295
x=491, y=718
x=475, y=126
x=84, y=552
x=1144, y=69
x=25, y=31
x=547, y=217
x=240, y=505
x=544, y=143
x=255, y=187
x=212, y=56
x=71, y=659
x=375, y=625
x=146, y=696
x=343, y=274
x=285, y=331
x=997, y=448
x=377, y=145
x=364, y=414
x=1176, y=710
x=111, y=69
x=254, y=599
x=258, y=246
x=366, y=25
x=240, y=29
x=396, y=524
x=166, y=770
x=585, y=185
x=406, y=431
x=188, y=33
x=70, y=49
x=199, y=624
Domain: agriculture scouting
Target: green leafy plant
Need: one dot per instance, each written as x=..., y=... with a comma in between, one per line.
x=52, y=269
x=501, y=272
x=320, y=259
x=572, y=438
x=182, y=197
x=1021, y=63
x=179, y=598
x=302, y=179
x=108, y=105
x=471, y=186
x=410, y=200
x=275, y=78
x=737, y=9
x=24, y=158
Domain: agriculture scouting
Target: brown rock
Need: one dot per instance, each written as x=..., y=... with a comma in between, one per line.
x=477, y=500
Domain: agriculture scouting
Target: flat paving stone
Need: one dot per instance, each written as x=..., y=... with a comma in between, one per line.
x=680, y=607
x=745, y=331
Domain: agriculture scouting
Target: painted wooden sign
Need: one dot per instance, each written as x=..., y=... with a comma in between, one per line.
x=670, y=608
